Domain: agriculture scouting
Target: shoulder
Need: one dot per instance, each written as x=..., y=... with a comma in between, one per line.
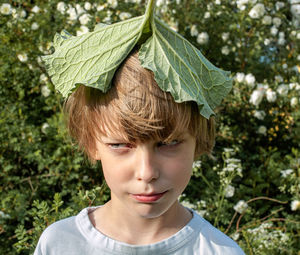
x=59, y=228
x=54, y=235
x=213, y=240
x=59, y=235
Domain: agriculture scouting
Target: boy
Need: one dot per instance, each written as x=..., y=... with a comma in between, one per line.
x=146, y=143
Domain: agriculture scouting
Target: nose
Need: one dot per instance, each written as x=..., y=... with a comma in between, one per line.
x=146, y=165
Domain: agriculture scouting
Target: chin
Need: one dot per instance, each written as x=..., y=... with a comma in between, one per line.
x=150, y=210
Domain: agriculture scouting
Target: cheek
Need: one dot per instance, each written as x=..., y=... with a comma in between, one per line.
x=115, y=173
x=180, y=171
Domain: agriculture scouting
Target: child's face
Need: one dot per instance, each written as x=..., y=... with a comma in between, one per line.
x=146, y=178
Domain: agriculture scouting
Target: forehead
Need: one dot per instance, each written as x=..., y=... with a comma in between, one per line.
x=113, y=129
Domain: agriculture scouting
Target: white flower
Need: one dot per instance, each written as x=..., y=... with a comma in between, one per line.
x=228, y=150
x=242, y=7
x=61, y=7
x=295, y=9
x=293, y=33
x=262, y=86
x=82, y=30
x=4, y=215
x=87, y=6
x=281, y=35
x=113, y=3
x=259, y=115
x=194, y=30
x=267, y=20
x=136, y=1
x=295, y=205
x=257, y=11
x=241, y=206
x=257, y=96
x=35, y=9
x=276, y=22
x=250, y=79
x=22, y=57
x=271, y=95
x=225, y=50
x=285, y=173
x=278, y=78
x=44, y=127
x=187, y=204
x=23, y=14
x=241, y=4
x=262, y=130
x=72, y=13
x=202, y=38
x=18, y=14
x=201, y=212
x=40, y=61
x=107, y=20
x=283, y=89
x=294, y=85
x=294, y=101
x=45, y=91
x=274, y=30
x=279, y=5
x=281, y=41
x=267, y=41
x=207, y=15
x=240, y=77
x=218, y=2
x=79, y=9
x=84, y=19
x=6, y=9
x=197, y=164
x=100, y=7
x=35, y=26
x=43, y=78
x=202, y=203
x=229, y=191
x=235, y=236
x=14, y=14
x=124, y=15
x=225, y=36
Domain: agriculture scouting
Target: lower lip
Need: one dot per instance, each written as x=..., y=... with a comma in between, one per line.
x=148, y=199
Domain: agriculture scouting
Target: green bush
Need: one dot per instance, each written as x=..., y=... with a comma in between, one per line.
x=250, y=189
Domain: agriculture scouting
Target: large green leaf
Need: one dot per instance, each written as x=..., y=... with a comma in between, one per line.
x=91, y=59
x=182, y=70
x=179, y=68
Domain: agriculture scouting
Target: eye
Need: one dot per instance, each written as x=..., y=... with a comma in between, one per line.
x=119, y=145
x=171, y=144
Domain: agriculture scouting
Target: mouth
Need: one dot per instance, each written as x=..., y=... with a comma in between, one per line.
x=148, y=198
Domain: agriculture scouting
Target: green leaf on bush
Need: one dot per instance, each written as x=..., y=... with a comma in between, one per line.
x=179, y=67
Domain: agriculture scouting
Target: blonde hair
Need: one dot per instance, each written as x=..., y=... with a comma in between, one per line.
x=137, y=108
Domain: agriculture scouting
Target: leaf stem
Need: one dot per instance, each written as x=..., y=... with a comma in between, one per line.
x=150, y=9
x=206, y=181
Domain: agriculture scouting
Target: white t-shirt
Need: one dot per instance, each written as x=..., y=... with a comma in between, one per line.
x=77, y=235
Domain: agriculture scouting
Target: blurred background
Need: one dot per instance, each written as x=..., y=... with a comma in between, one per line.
x=249, y=190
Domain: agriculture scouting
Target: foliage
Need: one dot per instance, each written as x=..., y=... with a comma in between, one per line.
x=250, y=189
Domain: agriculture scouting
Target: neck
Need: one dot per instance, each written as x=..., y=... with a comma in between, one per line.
x=122, y=225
